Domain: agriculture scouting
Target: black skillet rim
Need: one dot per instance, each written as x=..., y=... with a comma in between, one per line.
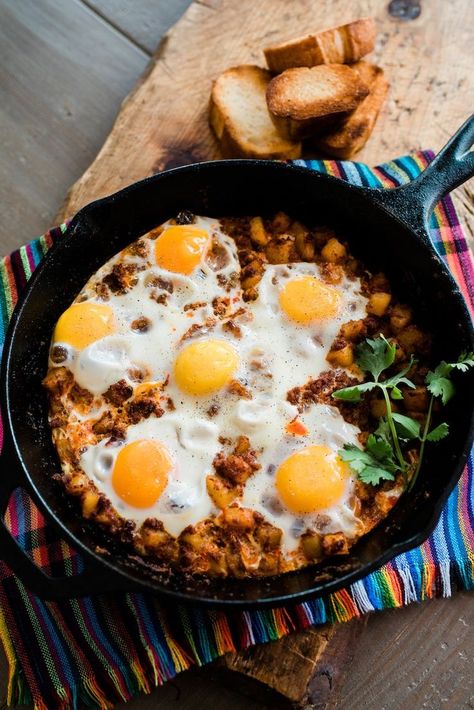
x=133, y=584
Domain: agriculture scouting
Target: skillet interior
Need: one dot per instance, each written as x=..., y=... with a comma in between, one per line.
x=231, y=188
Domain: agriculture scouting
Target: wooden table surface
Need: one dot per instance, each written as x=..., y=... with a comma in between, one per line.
x=64, y=69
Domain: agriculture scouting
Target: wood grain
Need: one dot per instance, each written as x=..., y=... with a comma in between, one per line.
x=143, y=22
x=163, y=122
x=68, y=49
x=304, y=667
x=55, y=106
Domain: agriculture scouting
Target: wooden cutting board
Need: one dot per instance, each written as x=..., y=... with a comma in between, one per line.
x=163, y=123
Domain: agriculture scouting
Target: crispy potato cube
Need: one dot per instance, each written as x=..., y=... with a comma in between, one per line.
x=416, y=399
x=335, y=544
x=281, y=222
x=240, y=519
x=242, y=445
x=352, y=330
x=89, y=503
x=251, y=274
x=258, y=234
x=333, y=251
x=378, y=408
x=400, y=317
x=379, y=282
x=378, y=303
x=279, y=251
x=341, y=358
x=412, y=340
x=220, y=492
x=193, y=539
x=311, y=542
x=269, y=537
x=304, y=242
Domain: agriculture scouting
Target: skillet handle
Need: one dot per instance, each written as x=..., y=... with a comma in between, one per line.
x=452, y=166
x=92, y=580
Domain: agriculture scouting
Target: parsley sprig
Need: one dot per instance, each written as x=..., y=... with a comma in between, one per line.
x=383, y=455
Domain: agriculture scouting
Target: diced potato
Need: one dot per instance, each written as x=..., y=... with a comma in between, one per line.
x=341, y=358
x=311, y=542
x=335, y=544
x=279, y=251
x=378, y=408
x=258, y=234
x=378, y=303
x=416, y=399
x=304, y=242
x=89, y=503
x=352, y=330
x=412, y=339
x=379, y=282
x=239, y=518
x=251, y=274
x=400, y=317
x=193, y=539
x=76, y=483
x=242, y=446
x=222, y=494
x=154, y=538
x=333, y=251
x=269, y=537
x=281, y=222
x=419, y=416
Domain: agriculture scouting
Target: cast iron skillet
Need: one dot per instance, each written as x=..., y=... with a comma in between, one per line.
x=386, y=228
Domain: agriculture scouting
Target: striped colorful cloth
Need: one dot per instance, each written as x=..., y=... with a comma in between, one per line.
x=95, y=652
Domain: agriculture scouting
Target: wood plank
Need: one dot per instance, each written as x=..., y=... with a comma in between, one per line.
x=418, y=657
x=164, y=121
x=143, y=21
x=383, y=636
x=303, y=667
x=64, y=73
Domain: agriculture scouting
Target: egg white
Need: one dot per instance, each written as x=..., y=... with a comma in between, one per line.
x=275, y=355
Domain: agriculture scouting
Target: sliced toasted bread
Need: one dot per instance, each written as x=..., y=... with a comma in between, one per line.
x=303, y=100
x=351, y=135
x=338, y=45
x=239, y=116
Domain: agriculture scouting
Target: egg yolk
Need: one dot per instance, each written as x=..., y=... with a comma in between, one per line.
x=83, y=324
x=306, y=299
x=311, y=479
x=181, y=248
x=205, y=366
x=140, y=473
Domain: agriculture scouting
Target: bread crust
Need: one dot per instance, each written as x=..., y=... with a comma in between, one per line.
x=352, y=133
x=305, y=100
x=231, y=133
x=343, y=44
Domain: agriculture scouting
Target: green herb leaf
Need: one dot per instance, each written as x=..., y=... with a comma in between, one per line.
x=375, y=356
x=406, y=427
x=399, y=378
x=383, y=431
x=439, y=385
x=353, y=394
x=374, y=475
x=357, y=458
x=438, y=433
x=396, y=393
x=465, y=361
x=373, y=465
